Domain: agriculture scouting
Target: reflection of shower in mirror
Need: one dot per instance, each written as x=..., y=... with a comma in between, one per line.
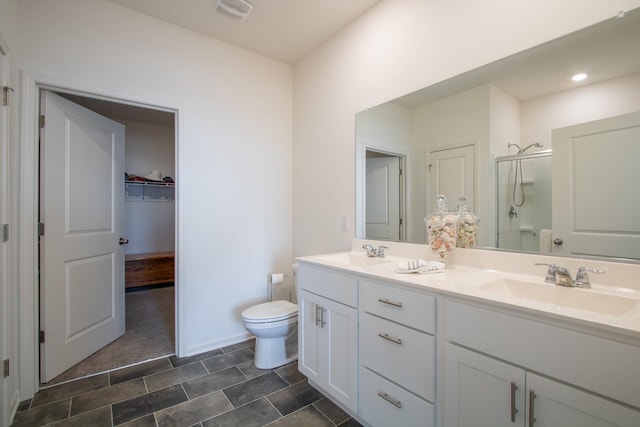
x=523, y=194
x=515, y=175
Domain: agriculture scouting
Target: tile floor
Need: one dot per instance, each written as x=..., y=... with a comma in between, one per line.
x=218, y=388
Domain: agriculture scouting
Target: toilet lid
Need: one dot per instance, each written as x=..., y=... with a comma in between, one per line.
x=272, y=311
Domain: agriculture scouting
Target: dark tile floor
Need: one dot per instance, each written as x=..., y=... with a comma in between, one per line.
x=218, y=388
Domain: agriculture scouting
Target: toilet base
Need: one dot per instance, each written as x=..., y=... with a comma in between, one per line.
x=274, y=352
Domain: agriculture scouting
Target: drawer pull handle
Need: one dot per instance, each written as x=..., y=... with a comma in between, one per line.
x=532, y=397
x=390, y=399
x=390, y=338
x=389, y=302
x=318, y=308
x=514, y=410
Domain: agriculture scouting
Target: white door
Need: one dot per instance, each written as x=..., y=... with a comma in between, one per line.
x=555, y=404
x=596, y=188
x=383, y=198
x=452, y=173
x=5, y=309
x=82, y=209
x=482, y=391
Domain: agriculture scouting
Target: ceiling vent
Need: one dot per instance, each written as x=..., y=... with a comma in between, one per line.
x=238, y=9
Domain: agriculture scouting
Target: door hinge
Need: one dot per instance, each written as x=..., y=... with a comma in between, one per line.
x=41, y=229
x=41, y=337
x=41, y=121
x=400, y=221
x=5, y=232
x=5, y=368
x=5, y=95
x=400, y=171
x=429, y=168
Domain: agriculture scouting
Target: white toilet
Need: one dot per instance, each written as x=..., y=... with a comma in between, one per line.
x=275, y=326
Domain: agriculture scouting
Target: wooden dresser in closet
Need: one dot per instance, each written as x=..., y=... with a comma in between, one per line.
x=148, y=269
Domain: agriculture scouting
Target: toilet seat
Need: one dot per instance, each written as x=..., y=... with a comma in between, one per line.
x=270, y=312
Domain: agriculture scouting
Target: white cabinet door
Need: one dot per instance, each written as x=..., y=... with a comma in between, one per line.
x=554, y=404
x=481, y=391
x=328, y=337
x=309, y=344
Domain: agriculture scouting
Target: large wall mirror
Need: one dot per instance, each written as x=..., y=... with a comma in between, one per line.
x=547, y=163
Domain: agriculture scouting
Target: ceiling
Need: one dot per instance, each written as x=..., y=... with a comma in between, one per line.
x=285, y=30
x=605, y=51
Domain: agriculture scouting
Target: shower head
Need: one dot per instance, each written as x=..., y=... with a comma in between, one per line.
x=523, y=150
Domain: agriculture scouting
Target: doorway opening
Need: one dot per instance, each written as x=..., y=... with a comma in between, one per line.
x=384, y=196
x=148, y=240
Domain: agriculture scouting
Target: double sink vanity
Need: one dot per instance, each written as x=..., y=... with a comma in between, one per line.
x=486, y=343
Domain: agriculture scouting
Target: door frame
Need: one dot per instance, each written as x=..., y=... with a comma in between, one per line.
x=29, y=203
x=361, y=186
x=401, y=191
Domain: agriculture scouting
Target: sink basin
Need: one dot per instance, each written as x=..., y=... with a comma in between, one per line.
x=354, y=259
x=582, y=299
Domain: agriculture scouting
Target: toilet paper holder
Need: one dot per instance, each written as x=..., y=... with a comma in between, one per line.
x=274, y=279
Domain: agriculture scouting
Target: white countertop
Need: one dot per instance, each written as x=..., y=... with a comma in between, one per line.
x=605, y=306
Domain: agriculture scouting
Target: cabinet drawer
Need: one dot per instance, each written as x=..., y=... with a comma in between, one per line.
x=398, y=353
x=409, y=308
x=383, y=403
x=330, y=284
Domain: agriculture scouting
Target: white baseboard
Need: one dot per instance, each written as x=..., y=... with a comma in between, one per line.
x=214, y=345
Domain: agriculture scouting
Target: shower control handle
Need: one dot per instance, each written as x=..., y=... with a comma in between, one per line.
x=558, y=242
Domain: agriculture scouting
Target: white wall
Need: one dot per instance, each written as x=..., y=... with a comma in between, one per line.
x=583, y=104
x=397, y=47
x=234, y=144
x=458, y=120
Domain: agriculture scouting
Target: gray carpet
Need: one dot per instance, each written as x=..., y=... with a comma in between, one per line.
x=150, y=333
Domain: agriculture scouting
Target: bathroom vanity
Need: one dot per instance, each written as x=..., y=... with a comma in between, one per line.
x=487, y=343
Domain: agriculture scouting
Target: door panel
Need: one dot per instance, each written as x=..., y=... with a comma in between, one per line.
x=452, y=173
x=557, y=404
x=479, y=390
x=383, y=198
x=82, y=209
x=596, y=187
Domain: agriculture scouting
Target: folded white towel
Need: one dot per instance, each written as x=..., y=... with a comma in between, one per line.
x=420, y=266
x=411, y=264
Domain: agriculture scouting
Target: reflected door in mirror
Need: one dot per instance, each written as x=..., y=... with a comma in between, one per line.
x=452, y=173
x=596, y=187
x=383, y=198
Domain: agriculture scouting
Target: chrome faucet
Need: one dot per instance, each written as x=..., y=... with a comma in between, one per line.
x=373, y=252
x=561, y=276
x=582, y=278
x=557, y=275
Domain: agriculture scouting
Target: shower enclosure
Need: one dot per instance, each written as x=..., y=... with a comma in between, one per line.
x=523, y=198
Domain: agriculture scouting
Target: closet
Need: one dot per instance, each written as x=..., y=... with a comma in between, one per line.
x=149, y=204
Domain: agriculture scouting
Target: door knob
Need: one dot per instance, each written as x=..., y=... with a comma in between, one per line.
x=123, y=241
x=558, y=242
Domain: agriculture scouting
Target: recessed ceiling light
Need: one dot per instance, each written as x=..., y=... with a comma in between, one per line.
x=238, y=9
x=579, y=77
